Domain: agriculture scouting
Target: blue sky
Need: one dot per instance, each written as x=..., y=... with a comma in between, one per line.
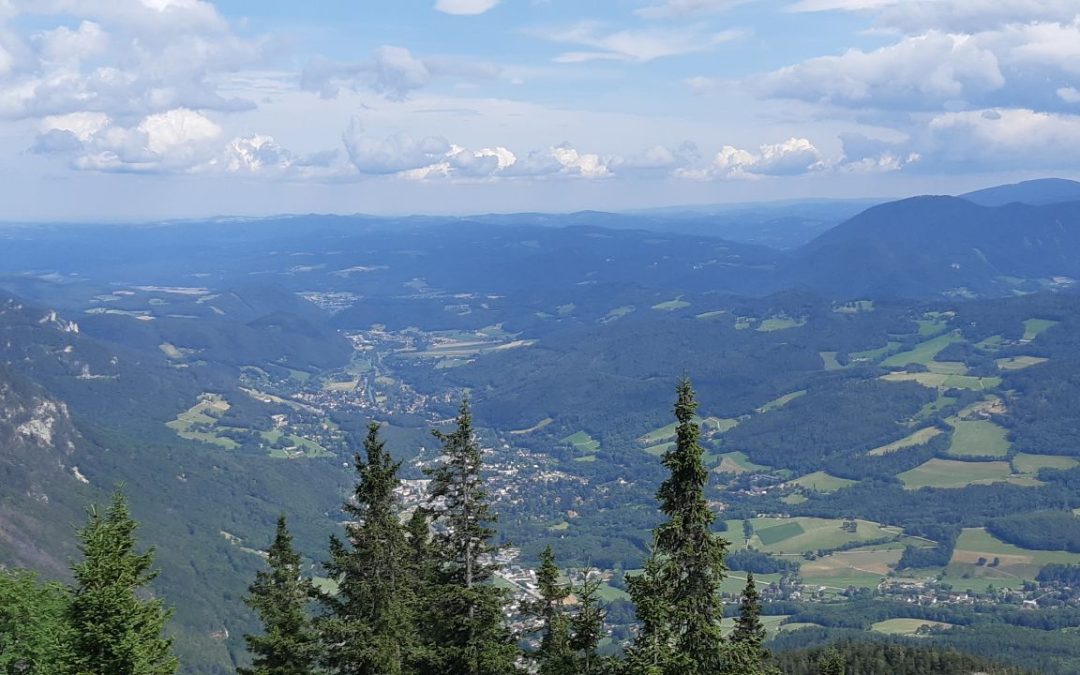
x=179, y=108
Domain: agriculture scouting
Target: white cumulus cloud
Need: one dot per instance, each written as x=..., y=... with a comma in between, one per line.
x=1005, y=138
x=926, y=71
x=394, y=154
x=792, y=157
x=118, y=57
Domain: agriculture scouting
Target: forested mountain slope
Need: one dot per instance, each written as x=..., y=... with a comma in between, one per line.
x=935, y=246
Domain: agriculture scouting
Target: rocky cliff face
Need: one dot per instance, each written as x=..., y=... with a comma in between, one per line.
x=38, y=474
x=34, y=428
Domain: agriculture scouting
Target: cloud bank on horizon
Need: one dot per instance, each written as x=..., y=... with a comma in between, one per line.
x=192, y=107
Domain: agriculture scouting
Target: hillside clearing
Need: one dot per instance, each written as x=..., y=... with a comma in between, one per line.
x=907, y=626
x=819, y=481
x=950, y=473
x=918, y=438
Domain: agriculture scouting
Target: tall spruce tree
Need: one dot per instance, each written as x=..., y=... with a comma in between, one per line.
x=554, y=656
x=115, y=630
x=749, y=631
x=423, y=569
x=469, y=629
x=368, y=628
x=587, y=629
x=651, y=652
x=288, y=645
x=677, y=596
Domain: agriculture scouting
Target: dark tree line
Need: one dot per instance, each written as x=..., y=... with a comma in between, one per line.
x=1039, y=530
x=895, y=658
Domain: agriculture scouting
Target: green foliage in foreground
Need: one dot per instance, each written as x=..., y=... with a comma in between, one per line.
x=416, y=597
x=368, y=624
x=409, y=604
x=34, y=634
x=280, y=597
x=469, y=636
x=114, y=629
x=677, y=596
x=568, y=643
x=103, y=625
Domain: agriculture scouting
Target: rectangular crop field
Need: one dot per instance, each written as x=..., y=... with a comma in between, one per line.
x=978, y=438
x=1024, y=463
x=775, y=534
x=948, y=473
x=906, y=626
x=816, y=533
x=923, y=353
x=865, y=568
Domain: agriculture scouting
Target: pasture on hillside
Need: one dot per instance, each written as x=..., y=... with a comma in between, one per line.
x=975, y=553
x=950, y=473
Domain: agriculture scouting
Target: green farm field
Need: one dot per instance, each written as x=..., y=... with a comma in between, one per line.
x=906, y=626
x=583, y=442
x=738, y=462
x=1031, y=464
x=859, y=568
x=191, y=423
x=875, y=354
x=780, y=402
x=775, y=323
x=1020, y=362
x=923, y=353
x=802, y=534
x=1033, y=328
x=978, y=438
x=819, y=481
x=948, y=473
x=918, y=438
x=1014, y=563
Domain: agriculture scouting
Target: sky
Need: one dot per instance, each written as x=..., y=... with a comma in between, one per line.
x=158, y=109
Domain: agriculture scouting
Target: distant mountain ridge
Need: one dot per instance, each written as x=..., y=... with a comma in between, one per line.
x=1040, y=192
x=932, y=246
